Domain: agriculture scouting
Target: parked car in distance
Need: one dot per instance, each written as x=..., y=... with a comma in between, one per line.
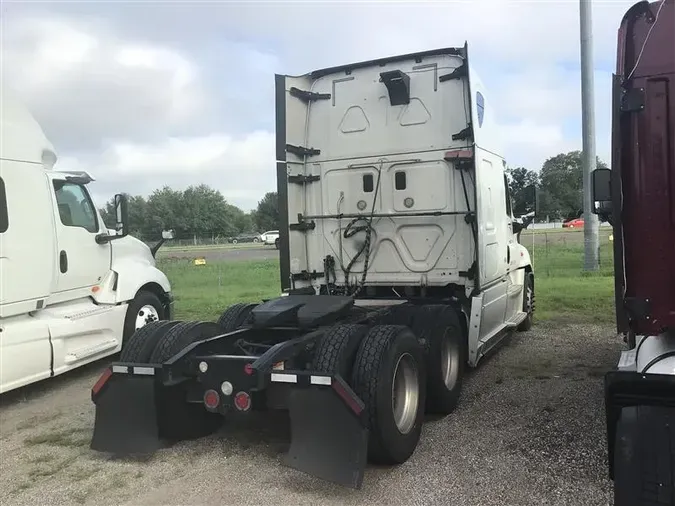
x=575, y=223
x=252, y=237
x=270, y=237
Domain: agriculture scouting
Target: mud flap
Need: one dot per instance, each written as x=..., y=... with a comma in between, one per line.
x=328, y=437
x=126, y=416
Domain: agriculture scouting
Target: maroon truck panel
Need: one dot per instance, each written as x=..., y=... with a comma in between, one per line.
x=645, y=156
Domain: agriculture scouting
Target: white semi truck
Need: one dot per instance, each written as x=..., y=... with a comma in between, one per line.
x=71, y=291
x=400, y=265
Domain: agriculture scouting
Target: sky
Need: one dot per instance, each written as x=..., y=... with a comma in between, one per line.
x=146, y=94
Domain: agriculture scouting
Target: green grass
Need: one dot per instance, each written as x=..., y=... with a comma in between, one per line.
x=203, y=291
x=564, y=291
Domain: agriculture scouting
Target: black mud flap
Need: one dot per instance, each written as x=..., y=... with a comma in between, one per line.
x=328, y=437
x=126, y=416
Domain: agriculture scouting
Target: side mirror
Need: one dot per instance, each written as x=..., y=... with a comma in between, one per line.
x=601, y=191
x=531, y=198
x=167, y=234
x=121, y=215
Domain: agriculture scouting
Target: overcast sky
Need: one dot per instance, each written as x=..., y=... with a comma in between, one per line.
x=144, y=94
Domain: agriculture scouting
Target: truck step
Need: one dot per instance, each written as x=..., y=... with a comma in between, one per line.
x=78, y=355
x=516, y=319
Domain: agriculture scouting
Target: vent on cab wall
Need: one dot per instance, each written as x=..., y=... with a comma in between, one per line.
x=398, y=86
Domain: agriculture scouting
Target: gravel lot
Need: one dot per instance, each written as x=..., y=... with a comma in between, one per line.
x=529, y=431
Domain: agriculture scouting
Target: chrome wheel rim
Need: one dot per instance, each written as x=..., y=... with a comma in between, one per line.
x=405, y=393
x=449, y=361
x=529, y=295
x=146, y=315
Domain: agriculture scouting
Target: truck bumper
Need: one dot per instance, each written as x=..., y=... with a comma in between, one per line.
x=329, y=438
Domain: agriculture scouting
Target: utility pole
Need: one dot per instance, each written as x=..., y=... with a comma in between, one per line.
x=591, y=242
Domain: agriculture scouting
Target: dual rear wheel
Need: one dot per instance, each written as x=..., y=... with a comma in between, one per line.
x=409, y=365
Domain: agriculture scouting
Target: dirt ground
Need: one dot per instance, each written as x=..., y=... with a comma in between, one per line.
x=529, y=431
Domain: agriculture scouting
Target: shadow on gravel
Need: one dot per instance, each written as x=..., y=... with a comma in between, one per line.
x=47, y=386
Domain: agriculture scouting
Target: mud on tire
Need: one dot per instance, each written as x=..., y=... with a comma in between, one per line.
x=383, y=349
x=177, y=418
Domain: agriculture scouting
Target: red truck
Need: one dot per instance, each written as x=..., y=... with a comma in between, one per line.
x=637, y=197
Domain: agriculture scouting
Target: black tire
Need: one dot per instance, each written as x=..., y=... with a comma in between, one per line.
x=445, y=352
x=180, y=336
x=644, y=457
x=528, y=302
x=235, y=316
x=276, y=243
x=141, y=344
x=178, y=419
x=372, y=381
x=337, y=349
x=143, y=298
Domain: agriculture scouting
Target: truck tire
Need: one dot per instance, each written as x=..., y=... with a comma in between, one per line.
x=337, y=349
x=276, y=243
x=528, y=302
x=390, y=377
x=644, y=457
x=235, y=316
x=180, y=336
x=179, y=419
x=445, y=354
x=141, y=344
x=145, y=307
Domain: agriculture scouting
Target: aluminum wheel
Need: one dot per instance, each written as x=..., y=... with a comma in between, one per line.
x=146, y=315
x=405, y=393
x=449, y=361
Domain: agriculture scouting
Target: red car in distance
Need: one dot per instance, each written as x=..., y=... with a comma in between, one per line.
x=575, y=223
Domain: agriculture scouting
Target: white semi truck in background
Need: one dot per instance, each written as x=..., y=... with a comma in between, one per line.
x=71, y=291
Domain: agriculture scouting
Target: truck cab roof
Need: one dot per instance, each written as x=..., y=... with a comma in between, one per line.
x=21, y=137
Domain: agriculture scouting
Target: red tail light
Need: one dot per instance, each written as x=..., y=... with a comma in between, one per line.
x=211, y=399
x=101, y=381
x=242, y=401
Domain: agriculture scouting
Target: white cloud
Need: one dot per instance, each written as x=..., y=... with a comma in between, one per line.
x=145, y=95
x=85, y=85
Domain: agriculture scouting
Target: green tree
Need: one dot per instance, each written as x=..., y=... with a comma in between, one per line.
x=165, y=211
x=561, y=180
x=519, y=179
x=137, y=208
x=266, y=216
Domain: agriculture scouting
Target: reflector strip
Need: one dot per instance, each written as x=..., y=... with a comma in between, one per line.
x=122, y=369
x=101, y=381
x=283, y=378
x=148, y=371
x=346, y=396
x=320, y=380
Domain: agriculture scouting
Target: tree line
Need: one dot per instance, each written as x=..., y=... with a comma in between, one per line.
x=559, y=186
x=201, y=211
x=198, y=211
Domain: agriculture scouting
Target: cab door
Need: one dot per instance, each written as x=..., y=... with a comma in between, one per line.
x=81, y=261
x=516, y=275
